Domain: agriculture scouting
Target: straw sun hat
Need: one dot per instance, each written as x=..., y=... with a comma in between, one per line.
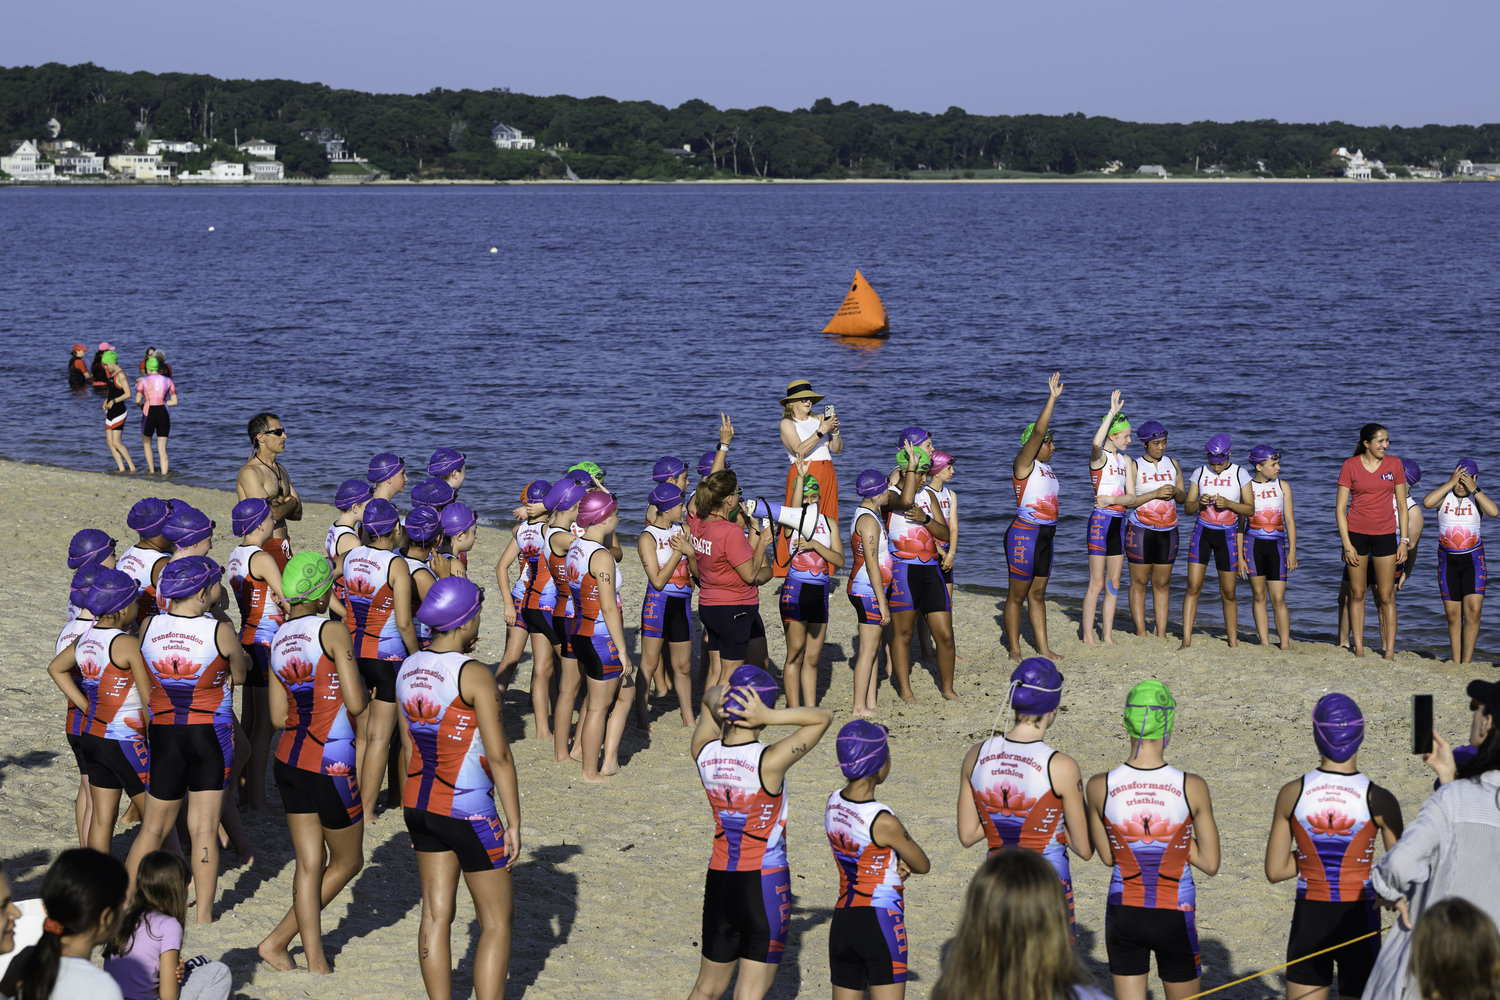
x=800, y=389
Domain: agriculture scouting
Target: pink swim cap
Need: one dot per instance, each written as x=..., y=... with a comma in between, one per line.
x=595, y=508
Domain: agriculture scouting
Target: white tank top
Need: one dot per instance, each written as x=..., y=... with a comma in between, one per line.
x=1036, y=495
x=138, y=563
x=116, y=701
x=74, y=628
x=1012, y=785
x=1458, y=523
x=1224, y=484
x=1158, y=515
x=807, y=565
x=804, y=429
x=868, y=875
x=861, y=578
x=1112, y=478
x=1334, y=835
x=331, y=543
x=1269, y=519
x=910, y=541
x=1149, y=825
x=681, y=582
x=529, y=544
x=750, y=823
x=945, y=504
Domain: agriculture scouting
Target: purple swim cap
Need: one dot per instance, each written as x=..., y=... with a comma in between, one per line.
x=432, y=493
x=706, y=463
x=1035, y=686
x=187, y=526
x=1261, y=452
x=595, y=508
x=456, y=518
x=536, y=491
x=666, y=496
x=185, y=577
x=89, y=546
x=1150, y=431
x=1470, y=466
x=668, y=467
x=581, y=477
x=1338, y=727
x=352, y=493
x=450, y=603
x=445, y=462
x=871, y=483
x=83, y=581
x=384, y=466
x=565, y=493
x=1413, y=471
x=863, y=749
x=912, y=435
x=750, y=676
x=1217, y=446
x=248, y=514
x=423, y=525
x=112, y=591
x=380, y=517
x=147, y=516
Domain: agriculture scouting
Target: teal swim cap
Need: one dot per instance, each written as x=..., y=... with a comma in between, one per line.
x=1150, y=711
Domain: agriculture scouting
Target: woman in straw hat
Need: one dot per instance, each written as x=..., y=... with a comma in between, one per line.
x=814, y=440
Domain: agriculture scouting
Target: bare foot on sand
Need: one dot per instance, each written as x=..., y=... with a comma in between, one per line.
x=610, y=768
x=1051, y=655
x=1015, y=656
x=909, y=697
x=867, y=713
x=597, y=779
x=1109, y=640
x=276, y=958
x=951, y=696
x=539, y=735
x=1088, y=640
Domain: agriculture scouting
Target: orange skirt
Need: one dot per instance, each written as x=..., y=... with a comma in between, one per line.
x=828, y=504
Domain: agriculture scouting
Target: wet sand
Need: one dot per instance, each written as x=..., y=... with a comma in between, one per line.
x=609, y=887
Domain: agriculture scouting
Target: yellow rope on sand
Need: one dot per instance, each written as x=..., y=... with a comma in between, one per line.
x=1283, y=965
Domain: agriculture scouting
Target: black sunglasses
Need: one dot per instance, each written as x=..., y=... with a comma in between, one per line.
x=279, y=432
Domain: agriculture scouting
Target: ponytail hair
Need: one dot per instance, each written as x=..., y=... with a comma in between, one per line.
x=713, y=490
x=1367, y=433
x=80, y=887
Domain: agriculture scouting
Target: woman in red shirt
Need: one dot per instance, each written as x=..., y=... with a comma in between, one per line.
x=730, y=568
x=1372, y=487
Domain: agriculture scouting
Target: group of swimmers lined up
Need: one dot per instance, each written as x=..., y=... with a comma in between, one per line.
x=1244, y=525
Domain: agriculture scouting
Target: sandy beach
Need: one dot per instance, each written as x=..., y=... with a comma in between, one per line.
x=609, y=887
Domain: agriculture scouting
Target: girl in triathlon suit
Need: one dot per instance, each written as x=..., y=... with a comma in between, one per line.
x=460, y=762
x=1216, y=493
x=1368, y=483
x=1323, y=833
x=315, y=690
x=193, y=663
x=598, y=638
x=1016, y=791
x=154, y=392
x=748, y=892
x=666, y=553
x=1151, y=534
x=871, y=570
x=1270, y=543
x=142, y=559
x=447, y=464
x=1014, y=889
x=942, y=473
x=344, y=534
x=117, y=392
x=915, y=525
x=525, y=546
x=730, y=569
x=79, y=622
x=458, y=538
x=99, y=673
x=804, y=598
x=1109, y=468
x=254, y=572
x=1028, y=541
x=562, y=500
x=1462, y=573
x=378, y=583
x=867, y=944
x=1150, y=821
x=422, y=529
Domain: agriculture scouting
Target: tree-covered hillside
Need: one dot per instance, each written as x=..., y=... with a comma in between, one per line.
x=446, y=133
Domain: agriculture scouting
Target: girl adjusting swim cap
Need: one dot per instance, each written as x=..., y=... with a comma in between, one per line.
x=248, y=515
x=89, y=546
x=352, y=493
x=750, y=676
x=307, y=577
x=596, y=507
x=112, y=591
x=863, y=749
x=450, y=603
x=536, y=491
x=186, y=577
x=1338, y=727
x=871, y=483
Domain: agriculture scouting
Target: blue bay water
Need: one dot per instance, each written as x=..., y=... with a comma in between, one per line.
x=615, y=323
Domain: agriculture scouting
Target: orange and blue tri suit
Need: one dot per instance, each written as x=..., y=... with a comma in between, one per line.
x=530, y=538
x=1018, y=807
x=1107, y=524
x=1028, y=540
x=590, y=641
x=870, y=904
x=318, y=736
x=917, y=583
x=371, y=605
x=749, y=822
x=1335, y=837
x=190, y=680
x=115, y=711
x=259, y=615
x=861, y=588
x=138, y=563
x=1150, y=827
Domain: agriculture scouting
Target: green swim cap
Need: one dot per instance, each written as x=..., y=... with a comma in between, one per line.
x=152, y=364
x=1150, y=711
x=810, y=486
x=923, y=460
x=1028, y=430
x=591, y=468
x=109, y=358
x=1120, y=423
x=307, y=577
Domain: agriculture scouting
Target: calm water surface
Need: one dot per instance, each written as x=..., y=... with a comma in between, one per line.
x=615, y=323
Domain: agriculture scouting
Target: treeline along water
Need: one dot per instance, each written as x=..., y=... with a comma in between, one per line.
x=615, y=323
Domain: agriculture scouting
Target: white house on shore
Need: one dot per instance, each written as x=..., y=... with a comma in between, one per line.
x=334, y=145
x=1356, y=167
x=1153, y=170
x=1467, y=168
x=506, y=137
x=79, y=162
x=263, y=171
x=172, y=146
x=219, y=170
x=141, y=167
x=23, y=163
x=259, y=148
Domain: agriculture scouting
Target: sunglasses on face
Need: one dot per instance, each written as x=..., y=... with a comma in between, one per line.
x=279, y=432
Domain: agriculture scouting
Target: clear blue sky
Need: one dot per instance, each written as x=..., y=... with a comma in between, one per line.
x=1394, y=62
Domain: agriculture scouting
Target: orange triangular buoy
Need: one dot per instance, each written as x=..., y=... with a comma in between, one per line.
x=862, y=313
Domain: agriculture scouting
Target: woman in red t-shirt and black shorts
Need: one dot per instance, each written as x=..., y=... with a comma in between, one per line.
x=1366, y=516
x=730, y=568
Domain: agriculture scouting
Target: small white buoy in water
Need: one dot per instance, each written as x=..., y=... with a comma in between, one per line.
x=210, y=228
x=494, y=249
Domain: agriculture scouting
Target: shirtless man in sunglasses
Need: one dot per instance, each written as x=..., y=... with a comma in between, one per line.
x=263, y=476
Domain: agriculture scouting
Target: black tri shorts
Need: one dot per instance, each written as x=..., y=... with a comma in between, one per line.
x=867, y=947
x=195, y=758
x=539, y=622
x=1374, y=545
x=746, y=915
x=380, y=677
x=335, y=799
x=730, y=627
x=112, y=763
x=1132, y=933
x=1318, y=924
x=479, y=841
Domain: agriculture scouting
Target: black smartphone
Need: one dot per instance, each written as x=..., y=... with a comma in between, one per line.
x=1421, y=723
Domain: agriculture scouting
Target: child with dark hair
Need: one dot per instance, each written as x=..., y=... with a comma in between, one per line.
x=145, y=955
x=84, y=895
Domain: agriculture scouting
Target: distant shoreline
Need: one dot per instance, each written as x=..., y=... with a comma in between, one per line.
x=557, y=182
